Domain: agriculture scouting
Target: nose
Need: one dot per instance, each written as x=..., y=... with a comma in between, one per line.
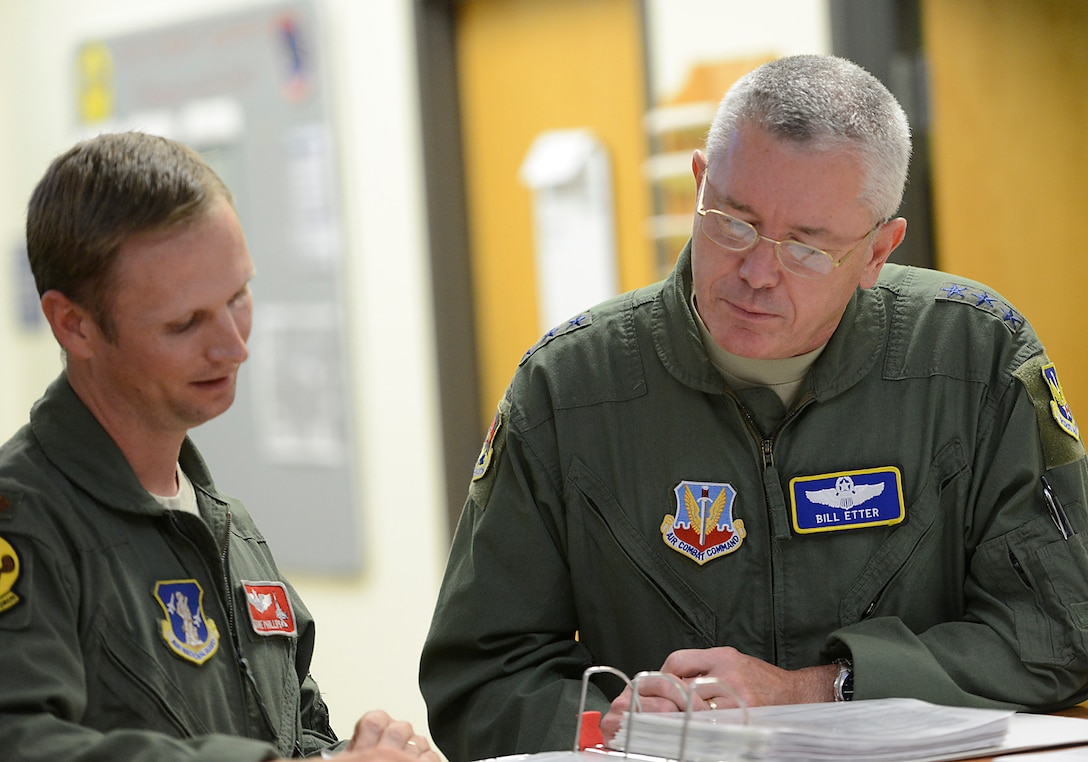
x=760, y=268
x=229, y=342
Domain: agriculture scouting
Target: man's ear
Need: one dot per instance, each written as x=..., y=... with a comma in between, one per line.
x=887, y=240
x=73, y=326
x=698, y=166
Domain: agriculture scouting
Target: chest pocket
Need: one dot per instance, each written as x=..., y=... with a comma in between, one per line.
x=905, y=560
x=138, y=683
x=623, y=585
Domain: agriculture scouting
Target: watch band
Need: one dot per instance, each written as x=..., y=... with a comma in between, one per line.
x=844, y=681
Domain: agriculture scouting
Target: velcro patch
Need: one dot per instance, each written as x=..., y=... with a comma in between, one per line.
x=9, y=573
x=185, y=628
x=847, y=500
x=1059, y=435
x=487, y=450
x=980, y=299
x=270, y=610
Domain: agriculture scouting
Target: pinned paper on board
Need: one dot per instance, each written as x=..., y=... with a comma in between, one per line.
x=570, y=177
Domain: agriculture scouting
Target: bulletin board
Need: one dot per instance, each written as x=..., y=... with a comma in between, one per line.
x=248, y=90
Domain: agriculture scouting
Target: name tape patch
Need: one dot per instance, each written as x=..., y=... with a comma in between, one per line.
x=270, y=610
x=847, y=500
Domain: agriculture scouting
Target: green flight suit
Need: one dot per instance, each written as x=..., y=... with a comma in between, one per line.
x=90, y=666
x=563, y=559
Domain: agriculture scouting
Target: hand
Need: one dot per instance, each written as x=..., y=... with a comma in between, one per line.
x=758, y=683
x=378, y=737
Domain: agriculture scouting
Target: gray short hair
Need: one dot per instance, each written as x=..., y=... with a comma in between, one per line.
x=825, y=103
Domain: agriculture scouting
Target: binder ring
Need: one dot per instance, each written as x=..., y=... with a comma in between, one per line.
x=687, y=689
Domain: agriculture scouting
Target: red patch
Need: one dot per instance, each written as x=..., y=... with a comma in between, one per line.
x=270, y=610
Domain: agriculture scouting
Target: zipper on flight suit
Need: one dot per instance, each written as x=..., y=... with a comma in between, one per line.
x=243, y=665
x=766, y=443
x=766, y=451
x=239, y=660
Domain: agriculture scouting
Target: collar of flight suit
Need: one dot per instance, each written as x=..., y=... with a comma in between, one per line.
x=851, y=352
x=75, y=442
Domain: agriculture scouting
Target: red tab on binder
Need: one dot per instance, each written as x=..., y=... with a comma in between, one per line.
x=591, y=736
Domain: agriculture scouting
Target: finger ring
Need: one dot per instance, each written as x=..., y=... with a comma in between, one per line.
x=712, y=703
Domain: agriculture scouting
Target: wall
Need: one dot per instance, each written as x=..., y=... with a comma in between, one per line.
x=371, y=627
x=526, y=67
x=1010, y=155
x=681, y=33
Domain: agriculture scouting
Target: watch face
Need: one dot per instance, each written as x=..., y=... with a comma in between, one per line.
x=844, y=681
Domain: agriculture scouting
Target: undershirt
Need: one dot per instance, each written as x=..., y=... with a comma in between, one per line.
x=185, y=500
x=784, y=377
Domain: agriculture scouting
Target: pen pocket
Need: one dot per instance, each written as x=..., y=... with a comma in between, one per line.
x=1043, y=585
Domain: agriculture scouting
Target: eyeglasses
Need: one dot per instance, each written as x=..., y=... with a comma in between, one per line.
x=739, y=236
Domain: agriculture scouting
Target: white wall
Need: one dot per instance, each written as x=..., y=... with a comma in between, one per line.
x=681, y=33
x=370, y=628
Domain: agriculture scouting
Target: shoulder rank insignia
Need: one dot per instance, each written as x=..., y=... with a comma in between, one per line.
x=270, y=610
x=1059, y=408
x=9, y=572
x=576, y=322
x=980, y=299
x=186, y=630
x=847, y=500
x=703, y=528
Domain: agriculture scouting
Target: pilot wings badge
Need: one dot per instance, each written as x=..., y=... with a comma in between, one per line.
x=703, y=528
x=186, y=630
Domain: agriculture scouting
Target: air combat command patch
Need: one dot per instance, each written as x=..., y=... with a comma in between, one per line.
x=703, y=528
x=186, y=630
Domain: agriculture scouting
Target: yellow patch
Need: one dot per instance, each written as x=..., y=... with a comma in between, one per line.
x=1059, y=408
x=9, y=572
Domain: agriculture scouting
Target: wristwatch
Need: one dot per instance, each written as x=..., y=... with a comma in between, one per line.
x=844, y=681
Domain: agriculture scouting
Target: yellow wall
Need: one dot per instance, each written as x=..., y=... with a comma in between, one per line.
x=1009, y=94
x=527, y=66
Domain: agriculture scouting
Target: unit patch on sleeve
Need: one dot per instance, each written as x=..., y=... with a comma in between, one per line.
x=703, y=528
x=488, y=448
x=980, y=299
x=270, y=610
x=847, y=500
x=1059, y=435
x=9, y=573
x=186, y=630
x=1059, y=408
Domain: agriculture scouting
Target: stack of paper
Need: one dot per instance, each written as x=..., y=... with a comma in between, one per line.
x=878, y=730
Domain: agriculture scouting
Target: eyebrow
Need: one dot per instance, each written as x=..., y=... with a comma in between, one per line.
x=815, y=232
